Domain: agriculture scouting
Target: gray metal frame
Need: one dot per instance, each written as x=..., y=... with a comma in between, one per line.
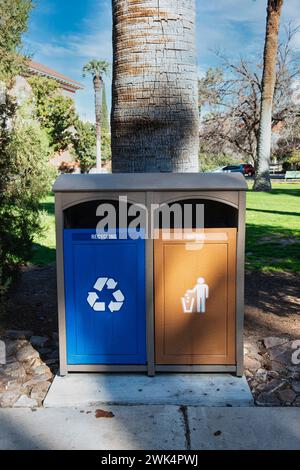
x=148, y=189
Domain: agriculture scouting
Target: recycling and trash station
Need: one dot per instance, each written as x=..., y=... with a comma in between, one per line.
x=150, y=303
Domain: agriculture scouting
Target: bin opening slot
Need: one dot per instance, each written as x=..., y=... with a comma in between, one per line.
x=216, y=215
x=84, y=215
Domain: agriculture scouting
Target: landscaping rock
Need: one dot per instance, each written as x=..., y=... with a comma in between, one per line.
x=7, y=399
x=39, y=341
x=25, y=402
x=296, y=386
x=26, y=353
x=272, y=386
x=18, y=334
x=297, y=402
x=277, y=367
x=12, y=346
x=4, y=381
x=287, y=396
x=14, y=370
x=42, y=370
x=39, y=392
x=36, y=379
x=267, y=399
x=273, y=341
x=261, y=375
x=251, y=363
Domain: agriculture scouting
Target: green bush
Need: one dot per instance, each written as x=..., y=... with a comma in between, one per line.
x=25, y=177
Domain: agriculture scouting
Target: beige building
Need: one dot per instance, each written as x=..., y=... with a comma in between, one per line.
x=67, y=85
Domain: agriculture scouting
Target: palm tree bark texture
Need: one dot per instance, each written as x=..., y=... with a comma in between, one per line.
x=262, y=181
x=155, y=115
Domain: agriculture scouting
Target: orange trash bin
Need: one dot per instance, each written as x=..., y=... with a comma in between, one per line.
x=195, y=299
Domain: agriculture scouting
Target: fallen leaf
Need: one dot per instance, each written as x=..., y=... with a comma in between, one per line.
x=104, y=414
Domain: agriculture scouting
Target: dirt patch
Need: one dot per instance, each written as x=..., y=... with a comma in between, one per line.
x=272, y=305
x=32, y=302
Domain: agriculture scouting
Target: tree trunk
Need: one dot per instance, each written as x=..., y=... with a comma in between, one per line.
x=98, y=109
x=262, y=180
x=155, y=116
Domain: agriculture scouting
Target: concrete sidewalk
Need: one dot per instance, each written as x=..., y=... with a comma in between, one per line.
x=138, y=389
x=151, y=427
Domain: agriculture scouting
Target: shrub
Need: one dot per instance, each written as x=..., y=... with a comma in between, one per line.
x=25, y=177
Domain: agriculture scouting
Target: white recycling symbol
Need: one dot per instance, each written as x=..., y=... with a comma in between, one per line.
x=97, y=305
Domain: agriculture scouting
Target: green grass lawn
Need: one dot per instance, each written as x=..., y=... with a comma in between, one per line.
x=273, y=230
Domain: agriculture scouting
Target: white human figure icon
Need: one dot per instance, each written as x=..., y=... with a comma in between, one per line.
x=201, y=290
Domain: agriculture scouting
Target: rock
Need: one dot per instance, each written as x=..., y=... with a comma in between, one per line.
x=4, y=381
x=272, y=386
x=42, y=370
x=39, y=392
x=7, y=399
x=267, y=399
x=14, y=370
x=261, y=375
x=297, y=402
x=18, y=334
x=25, y=402
x=251, y=363
x=272, y=374
x=296, y=386
x=39, y=341
x=26, y=353
x=277, y=367
x=287, y=396
x=272, y=341
x=35, y=380
x=12, y=346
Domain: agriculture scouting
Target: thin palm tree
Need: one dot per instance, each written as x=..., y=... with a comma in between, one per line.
x=262, y=180
x=155, y=115
x=97, y=69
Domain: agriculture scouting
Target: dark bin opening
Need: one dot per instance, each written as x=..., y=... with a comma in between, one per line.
x=216, y=214
x=84, y=215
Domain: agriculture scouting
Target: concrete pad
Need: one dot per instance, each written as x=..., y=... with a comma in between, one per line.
x=252, y=428
x=131, y=428
x=138, y=389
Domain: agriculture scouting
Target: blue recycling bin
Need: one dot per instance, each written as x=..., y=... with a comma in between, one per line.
x=105, y=298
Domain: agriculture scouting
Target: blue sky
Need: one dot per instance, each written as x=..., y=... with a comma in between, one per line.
x=65, y=34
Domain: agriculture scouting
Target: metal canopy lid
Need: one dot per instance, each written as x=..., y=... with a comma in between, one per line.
x=150, y=182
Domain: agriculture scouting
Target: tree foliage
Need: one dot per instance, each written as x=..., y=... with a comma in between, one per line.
x=84, y=142
x=55, y=112
x=14, y=16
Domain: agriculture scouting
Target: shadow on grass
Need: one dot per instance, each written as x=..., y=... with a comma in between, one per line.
x=48, y=207
x=272, y=248
x=274, y=212
x=42, y=255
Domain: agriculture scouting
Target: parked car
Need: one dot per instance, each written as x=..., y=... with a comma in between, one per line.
x=245, y=168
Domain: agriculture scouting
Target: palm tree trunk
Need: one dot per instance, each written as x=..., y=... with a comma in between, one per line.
x=98, y=109
x=155, y=116
x=262, y=180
